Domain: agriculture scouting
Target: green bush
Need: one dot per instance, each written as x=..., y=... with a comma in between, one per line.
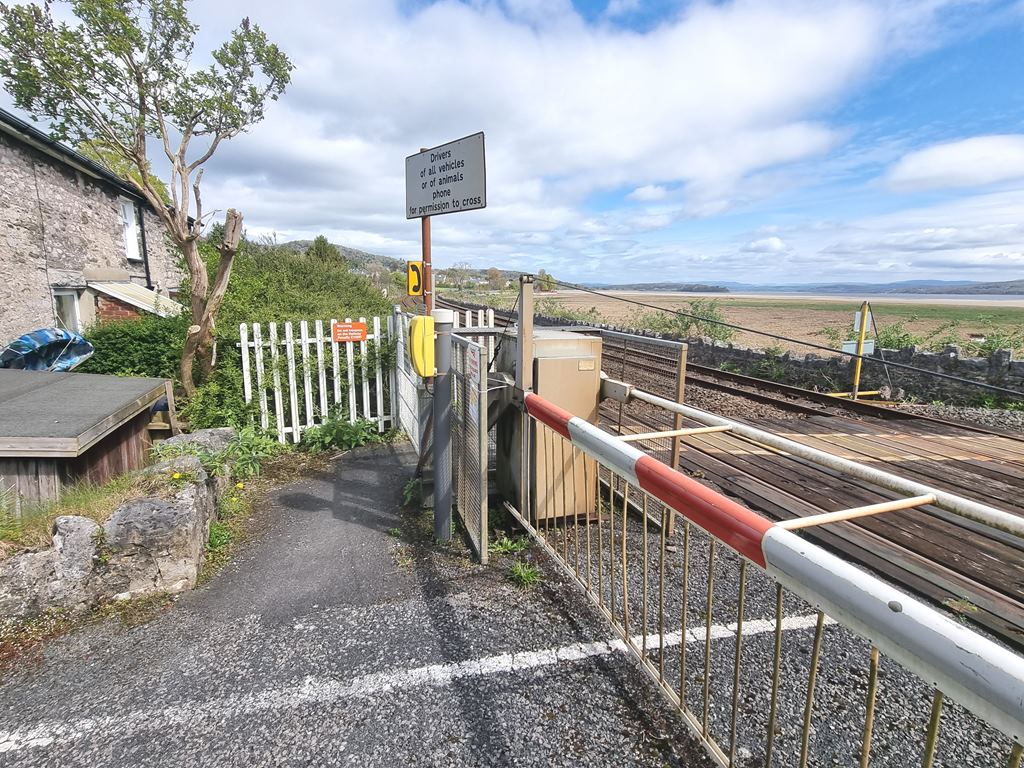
x=340, y=433
x=270, y=283
x=996, y=338
x=703, y=318
x=896, y=336
x=220, y=402
x=147, y=346
x=553, y=308
x=243, y=456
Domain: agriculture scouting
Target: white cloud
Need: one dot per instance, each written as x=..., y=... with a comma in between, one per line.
x=618, y=8
x=648, y=193
x=698, y=104
x=771, y=244
x=973, y=162
x=708, y=110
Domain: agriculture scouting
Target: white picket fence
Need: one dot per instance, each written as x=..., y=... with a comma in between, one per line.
x=299, y=381
x=479, y=318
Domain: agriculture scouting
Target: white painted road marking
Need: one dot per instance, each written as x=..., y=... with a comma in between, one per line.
x=324, y=691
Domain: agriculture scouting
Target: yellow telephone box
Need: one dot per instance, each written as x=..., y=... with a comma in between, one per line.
x=421, y=345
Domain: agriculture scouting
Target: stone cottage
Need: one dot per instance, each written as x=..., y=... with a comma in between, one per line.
x=78, y=244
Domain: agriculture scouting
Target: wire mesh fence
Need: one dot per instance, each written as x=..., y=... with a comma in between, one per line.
x=470, y=440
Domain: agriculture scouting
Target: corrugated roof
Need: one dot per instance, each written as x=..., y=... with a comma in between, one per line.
x=139, y=296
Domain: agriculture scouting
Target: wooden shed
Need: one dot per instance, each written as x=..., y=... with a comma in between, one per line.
x=63, y=428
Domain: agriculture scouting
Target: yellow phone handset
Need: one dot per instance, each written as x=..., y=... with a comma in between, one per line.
x=421, y=345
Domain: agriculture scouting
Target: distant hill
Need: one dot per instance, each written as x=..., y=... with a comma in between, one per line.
x=901, y=286
x=353, y=255
x=680, y=287
x=1005, y=288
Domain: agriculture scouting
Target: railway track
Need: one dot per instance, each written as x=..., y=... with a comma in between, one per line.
x=968, y=568
x=785, y=396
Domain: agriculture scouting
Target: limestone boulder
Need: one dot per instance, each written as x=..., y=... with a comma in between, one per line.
x=209, y=440
x=60, y=577
x=152, y=546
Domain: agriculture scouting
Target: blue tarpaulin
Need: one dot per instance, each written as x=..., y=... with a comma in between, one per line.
x=46, y=349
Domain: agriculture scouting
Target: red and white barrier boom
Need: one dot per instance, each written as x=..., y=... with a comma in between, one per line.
x=978, y=673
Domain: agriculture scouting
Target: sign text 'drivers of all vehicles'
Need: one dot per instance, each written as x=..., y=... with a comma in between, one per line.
x=446, y=179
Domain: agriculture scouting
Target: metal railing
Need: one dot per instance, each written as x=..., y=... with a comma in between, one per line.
x=773, y=651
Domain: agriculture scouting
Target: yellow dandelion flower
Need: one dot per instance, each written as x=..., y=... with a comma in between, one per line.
x=239, y=486
x=176, y=476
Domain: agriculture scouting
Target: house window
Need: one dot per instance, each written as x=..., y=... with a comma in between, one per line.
x=130, y=225
x=66, y=304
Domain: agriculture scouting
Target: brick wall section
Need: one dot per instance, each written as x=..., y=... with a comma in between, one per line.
x=108, y=308
x=55, y=223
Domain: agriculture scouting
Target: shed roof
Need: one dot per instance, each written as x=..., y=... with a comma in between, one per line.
x=64, y=414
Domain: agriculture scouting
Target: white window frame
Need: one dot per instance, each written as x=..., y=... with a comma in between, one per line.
x=130, y=229
x=76, y=303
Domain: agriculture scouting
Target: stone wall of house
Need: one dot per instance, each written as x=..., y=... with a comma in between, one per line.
x=55, y=223
x=165, y=260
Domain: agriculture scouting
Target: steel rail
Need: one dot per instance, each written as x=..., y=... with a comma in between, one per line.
x=972, y=510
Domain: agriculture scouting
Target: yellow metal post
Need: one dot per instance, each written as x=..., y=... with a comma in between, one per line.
x=861, y=333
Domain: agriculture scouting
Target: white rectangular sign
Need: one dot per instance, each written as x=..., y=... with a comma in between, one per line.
x=850, y=347
x=446, y=179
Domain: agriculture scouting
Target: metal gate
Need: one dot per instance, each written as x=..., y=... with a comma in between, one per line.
x=408, y=386
x=469, y=439
x=774, y=651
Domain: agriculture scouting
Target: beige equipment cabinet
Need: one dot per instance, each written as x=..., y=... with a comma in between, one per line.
x=566, y=372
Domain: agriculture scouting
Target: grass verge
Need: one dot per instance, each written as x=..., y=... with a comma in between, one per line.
x=34, y=529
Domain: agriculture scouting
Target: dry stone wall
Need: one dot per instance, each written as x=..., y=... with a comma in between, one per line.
x=835, y=373
x=153, y=545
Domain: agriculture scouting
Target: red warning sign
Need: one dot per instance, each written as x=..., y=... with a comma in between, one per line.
x=346, y=332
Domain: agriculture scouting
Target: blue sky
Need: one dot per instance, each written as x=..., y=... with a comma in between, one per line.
x=647, y=140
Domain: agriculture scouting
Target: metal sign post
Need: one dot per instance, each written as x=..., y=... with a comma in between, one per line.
x=524, y=383
x=445, y=179
x=428, y=268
